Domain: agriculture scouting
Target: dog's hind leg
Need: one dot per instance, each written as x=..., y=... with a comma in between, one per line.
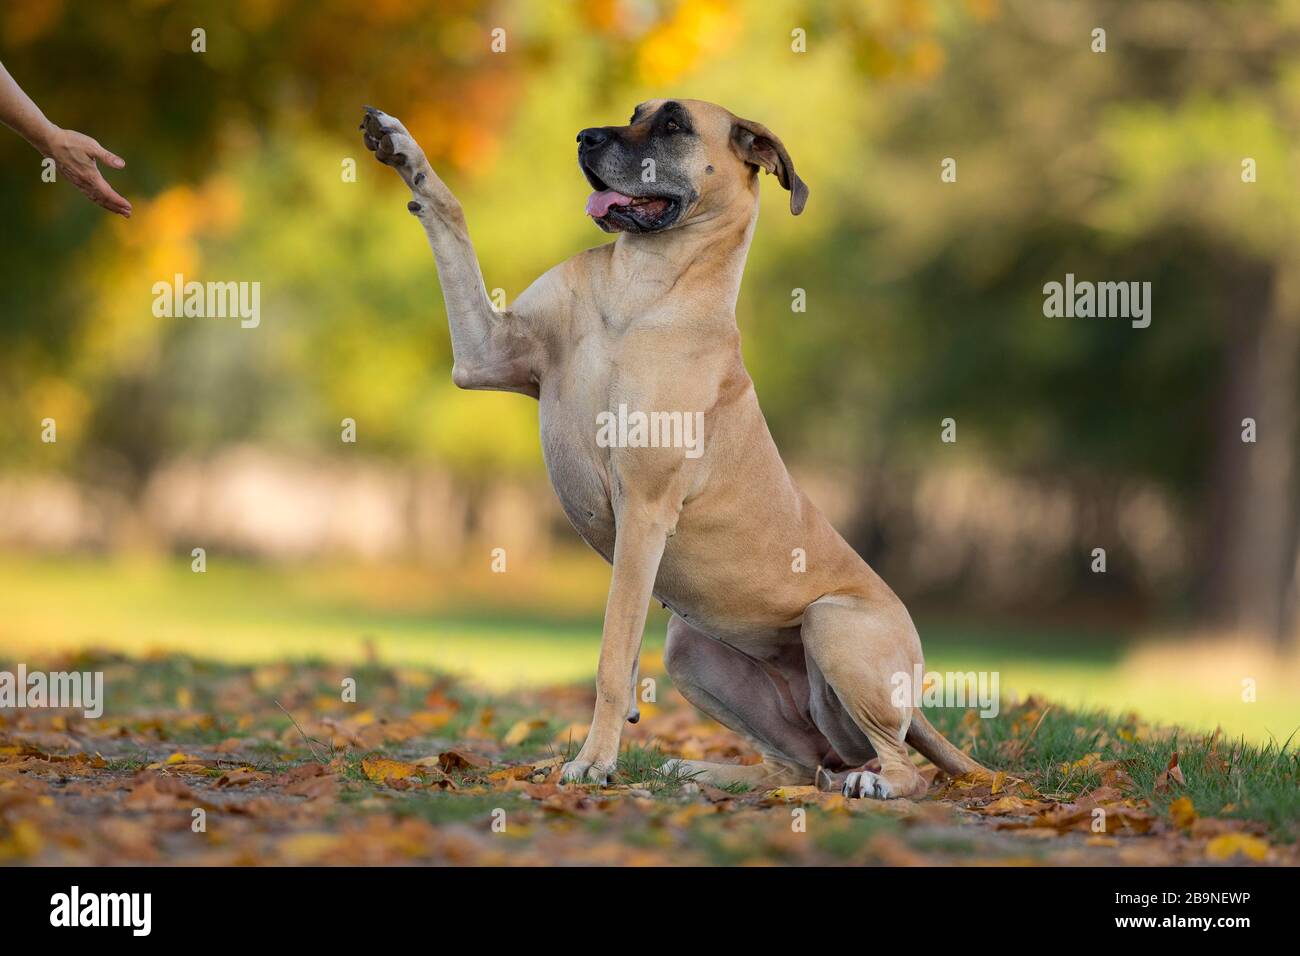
x=859, y=648
x=765, y=702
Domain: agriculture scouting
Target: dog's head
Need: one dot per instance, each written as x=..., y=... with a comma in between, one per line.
x=678, y=160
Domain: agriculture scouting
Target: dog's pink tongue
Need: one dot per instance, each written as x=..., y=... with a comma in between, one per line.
x=598, y=203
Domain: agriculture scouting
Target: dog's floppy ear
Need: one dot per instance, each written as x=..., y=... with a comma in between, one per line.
x=758, y=145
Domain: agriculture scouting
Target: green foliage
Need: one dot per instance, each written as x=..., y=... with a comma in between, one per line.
x=924, y=297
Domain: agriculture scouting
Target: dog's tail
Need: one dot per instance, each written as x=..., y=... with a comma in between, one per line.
x=935, y=747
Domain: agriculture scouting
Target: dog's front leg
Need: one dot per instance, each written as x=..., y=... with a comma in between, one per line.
x=638, y=548
x=491, y=350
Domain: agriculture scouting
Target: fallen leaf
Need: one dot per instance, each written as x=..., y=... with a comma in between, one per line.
x=183, y=758
x=157, y=792
x=380, y=769
x=1182, y=812
x=309, y=847
x=789, y=793
x=462, y=760
x=517, y=734
x=1230, y=844
x=1171, y=774
x=522, y=772
x=23, y=841
x=1004, y=805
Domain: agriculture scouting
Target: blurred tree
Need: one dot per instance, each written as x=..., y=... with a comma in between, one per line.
x=925, y=297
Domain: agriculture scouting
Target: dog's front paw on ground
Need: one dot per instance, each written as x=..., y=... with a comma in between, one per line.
x=582, y=771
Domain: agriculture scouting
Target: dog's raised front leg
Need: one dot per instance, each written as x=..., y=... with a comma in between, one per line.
x=638, y=548
x=491, y=350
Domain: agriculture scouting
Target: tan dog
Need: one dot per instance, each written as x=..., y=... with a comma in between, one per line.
x=801, y=662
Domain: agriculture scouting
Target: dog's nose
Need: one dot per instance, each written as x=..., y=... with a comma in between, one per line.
x=593, y=138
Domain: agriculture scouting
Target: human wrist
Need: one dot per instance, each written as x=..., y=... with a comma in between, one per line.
x=43, y=136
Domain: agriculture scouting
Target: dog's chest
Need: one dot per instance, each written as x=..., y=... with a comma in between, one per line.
x=578, y=466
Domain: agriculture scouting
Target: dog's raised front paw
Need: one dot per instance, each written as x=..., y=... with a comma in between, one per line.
x=386, y=137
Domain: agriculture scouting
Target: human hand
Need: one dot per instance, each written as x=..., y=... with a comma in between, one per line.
x=75, y=154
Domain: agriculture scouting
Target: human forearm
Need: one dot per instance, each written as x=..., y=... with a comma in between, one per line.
x=75, y=154
x=20, y=114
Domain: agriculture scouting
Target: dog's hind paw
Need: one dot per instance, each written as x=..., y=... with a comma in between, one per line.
x=864, y=783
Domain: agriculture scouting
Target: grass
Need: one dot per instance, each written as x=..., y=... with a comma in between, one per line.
x=160, y=707
x=1262, y=783
x=1222, y=777
x=1045, y=743
x=488, y=629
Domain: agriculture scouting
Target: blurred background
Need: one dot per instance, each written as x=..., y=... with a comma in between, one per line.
x=924, y=301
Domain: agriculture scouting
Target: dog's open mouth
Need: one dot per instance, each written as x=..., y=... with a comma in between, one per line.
x=614, y=210
x=647, y=211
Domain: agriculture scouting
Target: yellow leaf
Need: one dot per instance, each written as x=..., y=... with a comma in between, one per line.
x=999, y=779
x=793, y=793
x=574, y=732
x=379, y=769
x=431, y=719
x=309, y=847
x=1230, y=844
x=1182, y=812
x=413, y=678
x=1006, y=805
x=24, y=841
x=520, y=731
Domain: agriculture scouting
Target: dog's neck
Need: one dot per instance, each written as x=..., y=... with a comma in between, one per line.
x=707, y=252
